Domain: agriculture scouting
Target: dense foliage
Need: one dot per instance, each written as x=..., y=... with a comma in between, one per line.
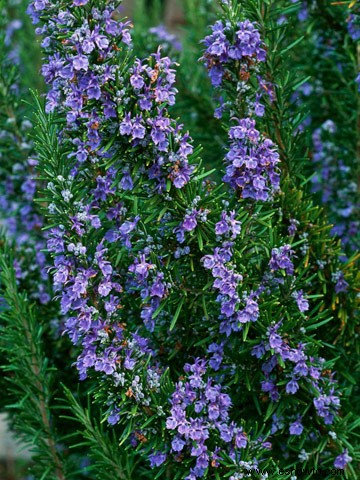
x=172, y=310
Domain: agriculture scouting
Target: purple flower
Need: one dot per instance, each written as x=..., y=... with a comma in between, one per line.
x=181, y=176
x=240, y=439
x=190, y=221
x=343, y=459
x=138, y=129
x=296, y=428
x=216, y=74
x=281, y=259
x=251, y=162
x=40, y=4
x=228, y=224
x=341, y=284
x=326, y=406
x=114, y=417
x=251, y=311
x=293, y=227
x=258, y=351
x=217, y=351
x=157, y=459
x=80, y=62
x=302, y=302
x=126, y=126
x=275, y=340
x=277, y=423
x=177, y=444
x=292, y=386
x=270, y=387
x=136, y=79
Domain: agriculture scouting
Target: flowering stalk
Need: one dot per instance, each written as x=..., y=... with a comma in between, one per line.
x=32, y=353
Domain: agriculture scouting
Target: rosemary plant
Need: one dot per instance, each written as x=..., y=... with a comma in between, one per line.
x=211, y=312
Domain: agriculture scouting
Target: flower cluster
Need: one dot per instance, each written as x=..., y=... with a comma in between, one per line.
x=235, y=310
x=281, y=259
x=153, y=88
x=152, y=286
x=341, y=285
x=252, y=162
x=300, y=367
x=81, y=87
x=192, y=216
x=225, y=47
x=75, y=63
x=200, y=411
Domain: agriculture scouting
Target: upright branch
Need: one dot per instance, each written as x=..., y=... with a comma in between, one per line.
x=30, y=376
